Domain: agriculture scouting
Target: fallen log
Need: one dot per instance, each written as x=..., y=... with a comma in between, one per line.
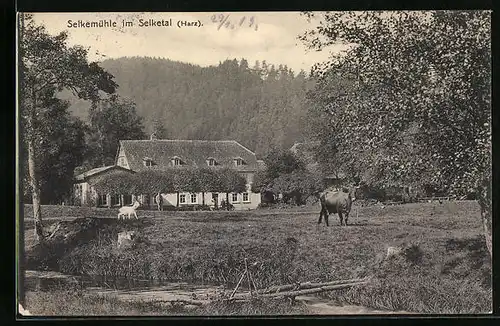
x=307, y=285
x=299, y=292
x=187, y=302
x=312, y=290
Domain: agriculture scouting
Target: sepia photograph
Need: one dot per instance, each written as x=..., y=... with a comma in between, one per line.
x=316, y=163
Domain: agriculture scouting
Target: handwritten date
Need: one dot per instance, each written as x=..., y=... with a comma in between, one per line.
x=223, y=20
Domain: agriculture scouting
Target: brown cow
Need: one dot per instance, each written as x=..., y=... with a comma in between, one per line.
x=336, y=201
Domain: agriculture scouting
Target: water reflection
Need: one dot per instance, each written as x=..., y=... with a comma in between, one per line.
x=136, y=289
x=36, y=281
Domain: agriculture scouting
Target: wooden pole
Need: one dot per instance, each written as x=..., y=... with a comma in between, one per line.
x=238, y=285
x=253, y=282
x=248, y=276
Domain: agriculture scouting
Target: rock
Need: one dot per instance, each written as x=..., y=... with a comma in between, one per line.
x=393, y=251
x=127, y=239
x=411, y=253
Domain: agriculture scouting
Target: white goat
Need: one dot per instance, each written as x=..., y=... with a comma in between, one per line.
x=128, y=210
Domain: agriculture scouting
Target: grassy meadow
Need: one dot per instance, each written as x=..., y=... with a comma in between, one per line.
x=448, y=272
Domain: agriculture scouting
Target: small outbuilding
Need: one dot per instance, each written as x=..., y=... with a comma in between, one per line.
x=86, y=195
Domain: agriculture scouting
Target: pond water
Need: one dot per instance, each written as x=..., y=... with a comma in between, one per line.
x=147, y=290
x=46, y=281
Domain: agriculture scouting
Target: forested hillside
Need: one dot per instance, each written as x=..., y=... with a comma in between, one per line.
x=260, y=106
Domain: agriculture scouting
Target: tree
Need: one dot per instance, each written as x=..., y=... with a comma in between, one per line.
x=117, y=183
x=207, y=180
x=416, y=105
x=243, y=64
x=181, y=178
x=112, y=120
x=46, y=65
x=298, y=185
x=154, y=182
x=59, y=151
x=192, y=182
x=278, y=162
x=281, y=162
x=261, y=182
x=159, y=128
x=230, y=181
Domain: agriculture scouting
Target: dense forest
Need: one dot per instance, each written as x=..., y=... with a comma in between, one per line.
x=262, y=106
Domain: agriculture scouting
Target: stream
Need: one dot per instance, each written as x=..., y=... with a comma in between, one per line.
x=147, y=290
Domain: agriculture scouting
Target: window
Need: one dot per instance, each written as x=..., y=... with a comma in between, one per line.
x=121, y=161
x=115, y=200
x=234, y=198
x=211, y=162
x=102, y=200
x=176, y=161
x=182, y=199
x=148, y=162
x=245, y=197
x=127, y=200
x=193, y=198
x=239, y=161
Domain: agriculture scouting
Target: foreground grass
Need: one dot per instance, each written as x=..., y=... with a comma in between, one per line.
x=76, y=303
x=400, y=285
x=452, y=274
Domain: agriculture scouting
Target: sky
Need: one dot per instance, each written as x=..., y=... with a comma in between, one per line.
x=274, y=40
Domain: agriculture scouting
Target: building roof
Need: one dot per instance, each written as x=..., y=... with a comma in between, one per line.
x=194, y=153
x=85, y=175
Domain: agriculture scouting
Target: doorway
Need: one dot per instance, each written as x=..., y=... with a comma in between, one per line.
x=215, y=200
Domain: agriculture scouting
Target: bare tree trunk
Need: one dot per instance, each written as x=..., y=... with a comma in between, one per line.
x=177, y=199
x=203, y=198
x=227, y=201
x=35, y=190
x=488, y=231
x=484, y=198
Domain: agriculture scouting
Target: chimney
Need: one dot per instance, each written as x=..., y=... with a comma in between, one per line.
x=153, y=136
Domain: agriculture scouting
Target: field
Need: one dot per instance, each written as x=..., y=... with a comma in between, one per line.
x=448, y=271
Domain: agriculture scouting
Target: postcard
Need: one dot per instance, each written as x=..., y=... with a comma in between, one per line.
x=254, y=163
